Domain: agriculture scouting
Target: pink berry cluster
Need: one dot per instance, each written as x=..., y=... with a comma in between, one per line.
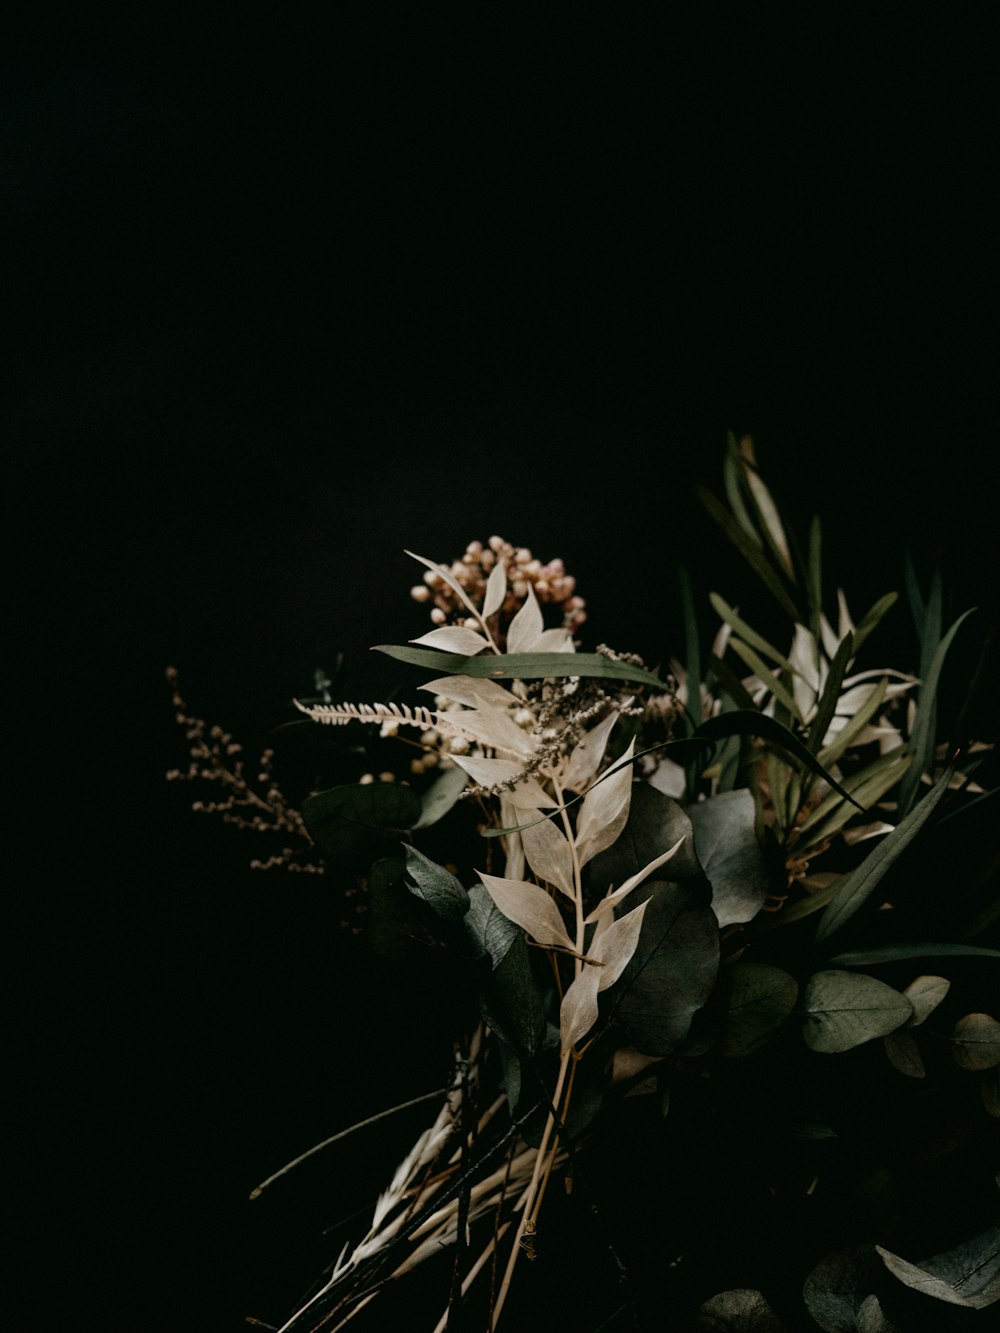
x=552, y=585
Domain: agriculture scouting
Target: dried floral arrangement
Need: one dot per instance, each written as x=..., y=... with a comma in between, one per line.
x=714, y=932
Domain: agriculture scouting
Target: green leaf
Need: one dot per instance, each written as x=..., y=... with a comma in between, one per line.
x=975, y=1042
x=845, y=737
x=400, y=926
x=766, y=676
x=490, y=933
x=356, y=824
x=730, y=682
x=890, y=952
x=748, y=635
x=673, y=970
x=511, y=1002
x=749, y=722
x=441, y=795
x=725, y=841
x=760, y=999
x=839, y=1283
x=522, y=666
x=858, y=886
x=844, y=1009
x=967, y=1275
x=734, y=481
x=827, y=705
x=753, y=555
x=921, y=742
x=865, y=787
x=814, y=577
x=437, y=886
x=655, y=823
x=870, y=620
x=692, y=650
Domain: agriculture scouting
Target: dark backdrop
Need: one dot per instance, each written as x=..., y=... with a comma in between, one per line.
x=288, y=294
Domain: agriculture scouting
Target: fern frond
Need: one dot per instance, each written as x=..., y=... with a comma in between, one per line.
x=340, y=714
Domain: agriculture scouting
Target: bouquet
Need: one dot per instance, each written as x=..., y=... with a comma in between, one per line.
x=713, y=934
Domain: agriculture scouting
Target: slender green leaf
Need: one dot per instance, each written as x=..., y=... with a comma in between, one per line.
x=749, y=722
x=814, y=576
x=522, y=666
x=861, y=883
x=692, y=651
x=730, y=682
x=831, y=693
x=921, y=742
x=846, y=736
x=870, y=620
x=753, y=556
x=748, y=635
x=734, y=481
x=890, y=952
x=766, y=676
x=866, y=788
x=913, y=594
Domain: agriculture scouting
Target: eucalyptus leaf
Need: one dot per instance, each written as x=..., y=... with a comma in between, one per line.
x=925, y=993
x=656, y=822
x=437, y=886
x=673, y=970
x=739, y=1311
x=975, y=1042
x=967, y=1275
x=725, y=842
x=441, y=796
x=356, y=824
x=844, y=1009
x=904, y=1054
x=490, y=933
x=872, y=1318
x=511, y=1002
x=400, y=926
x=838, y=1285
x=856, y=887
x=760, y=999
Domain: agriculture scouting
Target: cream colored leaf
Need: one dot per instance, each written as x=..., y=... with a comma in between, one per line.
x=925, y=994
x=613, y=899
x=578, y=1011
x=496, y=589
x=493, y=727
x=527, y=794
x=846, y=624
x=615, y=945
x=445, y=573
x=526, y=626
x=830, y=639
x=549, y=855
x=454, y=639
x=585, y=759
x=552, y=641
x=873, y=830
x=604, y=810
x=474, y=693
x=669, y=778
x=529, y=907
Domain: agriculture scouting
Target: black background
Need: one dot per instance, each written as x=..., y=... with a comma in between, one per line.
x=288, y=293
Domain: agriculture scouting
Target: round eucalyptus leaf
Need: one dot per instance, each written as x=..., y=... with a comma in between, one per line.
x=968, y=1274
x=844, y=1009
x=726, y=844
x=760, y=999
x=838, y=1286
x=655, y=822
x=674, y=967
x=975, y=1043
x=358, y=823
x=739, y=1311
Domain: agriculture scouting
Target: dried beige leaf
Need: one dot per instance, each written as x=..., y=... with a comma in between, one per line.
x=604, y=810
x=526, y=626
x=613, y=899
x=585, y=759
x=474, y=693
x=549, y=855
x=454, y=639
x=529, y=907
x=496, y=589
x=526, y=793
